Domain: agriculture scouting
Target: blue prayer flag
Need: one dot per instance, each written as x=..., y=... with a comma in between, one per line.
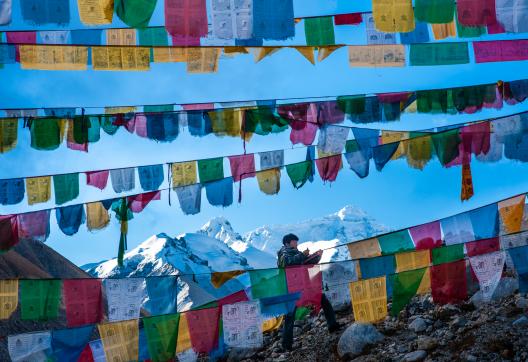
x=41, y=12
x=163, y=127
x=162, y=295
x=144, y=354
x=420, y=34
x=520, y=261
x=273, y=19
x=220, y=193
x=60, y=112
x=11, y=191
x=199, y=123
x=383, y=153
x=281, y=305
x=7, y=54
x=86, y=37
x=68, y=344
x=485, y=221
x=150, y=177
x=377, y=267
x=70, y=218
x=366, y=140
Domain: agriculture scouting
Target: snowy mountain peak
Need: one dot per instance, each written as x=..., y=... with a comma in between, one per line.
x=220, y=228
x=350, y=212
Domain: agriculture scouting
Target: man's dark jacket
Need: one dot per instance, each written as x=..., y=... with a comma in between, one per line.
x=288, y=256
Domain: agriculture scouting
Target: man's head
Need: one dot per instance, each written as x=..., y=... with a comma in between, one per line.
x=290, y=240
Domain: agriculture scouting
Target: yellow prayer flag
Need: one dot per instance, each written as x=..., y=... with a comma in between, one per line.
x=203, y=60
x=419, y=151
x=395, y=136
x=364, y=249
x=38, y=189
x=183, y=173
x=96, y=12
x=412, y=260
x=49, y=57
x=232, y=51
x=269, y=181
x=121, y=36
x=227, y=122
x=273, y=324
x=324, y=52
x=383, y=55
x=8, y=134
x=184, y=336
x=511, y=212
x=467, y=183
x=369, y=299
x=120, y=340
x=393, y=16
x=220, y=278
x=169, y=55
x=425, y=284
x=442, y=31
x=8, y=298
x=120, y=58
x=96, y=216
x=119, y=110
x=63, y=128
x=261, y=53
x=307, y=52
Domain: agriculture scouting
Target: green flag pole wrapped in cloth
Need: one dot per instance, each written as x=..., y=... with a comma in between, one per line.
x=123, y=214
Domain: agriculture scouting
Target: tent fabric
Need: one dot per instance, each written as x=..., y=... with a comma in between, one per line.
x=448, y=282
x=378, y=266
x=124, y=297
x=183, y=173
x=190, y=198
x=434, y=11
x=11, y=191
x=45, y=133
x=162, y=334
x=8, y=298
x=40, y=12
x=319, y=31
x=329, y=166
x=396, y=242
x=120, y=340
x=242, y=167
x=220, y=193
x=123, y=179
x=447, y=254
x=70, y=218
x=488, y=270
x=426, y=236
x=66, y=187
x=162, y=294
x=203, y=328
x=485, y=221
x=97, y=179
x=438, y=54
x=83, y=300
x=68, y=344
x=299, y=173
x=29, y=346
x=476, y=13
x=420, y=34
x=34, y=225
x=484, y=246
x=40, y=299
x=511, y=212
x=150, y=177
x=8, y=127
x=273, y=19
x=269, y=181
x=211, y=169
x=8, y=232
x=138, y=203
x=369, y=299
x=268, y=283
x=405, y=286
x=519, y=257
x=135, y=13
x=393, y=16
x=96, y=216
x=307, y=280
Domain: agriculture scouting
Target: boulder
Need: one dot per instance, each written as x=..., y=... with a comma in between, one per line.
x=355, y=338
x=418, y=325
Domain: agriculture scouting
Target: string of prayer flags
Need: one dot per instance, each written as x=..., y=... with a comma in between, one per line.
x=40, y=299
x=319, y=31
x=268, y=283
x=512, y=15
x=434, y=11
x=369, y=299
x=426, y=236
x=269, y=181
x=120, y=340
x=97, y=216
x=511, y=212
x=393, y=16
x=5, y=12
x=123, y=179
x=220, y=192
x=68, y=344
x=364, y=249
x=124, y=297
x=395, y=242
x=447, y=254
x=11, y=191
x=70, y=218
x=448, y=282
x=29, y=346
x=162, y=335
x=273, y=19
x=242, y=325
x=162, y=294
x=476, y=13
x=8, y=297
x=40, y=12
x=34, y=225
x=308, y=281
x=46, y=57
x=519, y=256
x=438, y=54
x=382, y=55
x=488, y=269
x=190, y=198
x=405, y=285
x=183, y=173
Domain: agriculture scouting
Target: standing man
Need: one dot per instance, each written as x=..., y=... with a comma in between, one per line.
x=289, y=255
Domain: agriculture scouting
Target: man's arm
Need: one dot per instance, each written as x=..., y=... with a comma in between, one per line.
x=296, y=258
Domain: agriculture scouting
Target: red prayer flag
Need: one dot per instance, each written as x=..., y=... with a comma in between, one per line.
x=185, y=41
x=448, y=282
x=82, y=298
x=34, y=225
x=329, y=113
x=141, y=125
x=496, y=28
x=476, y=12
x=305, y=134
x=8, y=232
x=198, y=107
x=203, y=328
x=427, y=236
x=97, y=179
x=86, y=355
x=483, y=246
x=393, y=97
x=328, y=167
x=308, y=280
x=21, y=37
x=83, y=147
x=242, y=166
x=298, y=112
x=237, y=297
x=186, y=18
x=348, y=19
x=500, y=50
x=138, y=203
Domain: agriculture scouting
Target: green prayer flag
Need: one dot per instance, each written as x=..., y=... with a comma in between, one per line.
x=351, y=104
x=107, y=124
x=319, y=31
x=301, y=313
x=40, y=299
x=268, y=283
x=263, y=121
x=155, y=36
x=135, y=13
x=351, y=146
x=211, y=169
x=86, y=129
x=439, y=54
x=447, y=254
x=158, y=108
x=446, y=145
x=404, y=287
x=45, y=133
x=162, y=334
x=472, y=96
x=299, y=173
x=66, y=187
x=434, y=11
x=431, y=101
x=396, y=242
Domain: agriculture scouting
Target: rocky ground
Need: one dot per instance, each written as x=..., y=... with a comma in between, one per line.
x=473, y=331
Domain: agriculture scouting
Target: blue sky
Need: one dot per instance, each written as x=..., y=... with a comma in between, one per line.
x=398, y=196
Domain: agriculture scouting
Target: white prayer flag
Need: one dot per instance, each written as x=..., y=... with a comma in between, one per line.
x=242, y=325
x=488, y=269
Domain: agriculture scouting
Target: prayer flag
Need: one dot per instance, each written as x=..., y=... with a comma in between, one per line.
x=8, y=298
x=329, y=166
x=405, y=286
x=97, y=179
x=8, y=232
x=242, y=166
x=271, y=159
x=447, y=254
x=446, y=145
x=162, y=294
x=186, y=19
x=150, y=177
x=319, y=31
x=29, y=346
x=190, y=198
x=11, y=191
x=162, y=335
x=393, y=16
x=485, y=221
x=40, y=299
x=220, y=192
x=155, y=36
x=469, y=31
x=335, y=276
x=268, y=283
x=68, y=344
x=280, y=305
x=242, y=325
x=70, y=218
x=34, y=225
x=356, y=159
x=96, y=12
x=378, y=266
x=124, y=297
x=232, y=21
x=484, y=246
x=211, y=169
x=40, y=12
x=369, y=299
x=163, y=127
x=203, y=328
x=348, y=19
x=383, y=55
x=457, y=229
x=120, y=58
x=511, y=212
x=45, y=133
x=137, y=203
x=135, y=13
x=443, y=31
x=395, y=242
x=374, y=36
x=38, y=189
x=500, y=51
x=54, y=36
x=467, y=183
x=87, y=36
x=97, y=216
x=47, y=57
x=227, y=122
x=83, y=301
x=273, y=19
x=420, y=34
x=66, y=187
x=519, y=256
x=438, y=54
x=202, y=60
x=384, y=153
x=5, y=12
x=488, y=269
x=269, y=181
x=332, y=139
x=307, y=280
x=304, y=134
x=512, y=15
x=123, y=179
x=476, y=12
x=120, y=340
x=220, y=278
x=96, y=347
x=183, y=173
x=448, y=282
x=364, y=249
x=426, y=236
x=412, y=260
x=434, y=11
x=9, y=126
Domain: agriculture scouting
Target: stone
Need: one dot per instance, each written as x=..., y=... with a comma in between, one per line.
x=418, y=325
x=355, y=338
x=426, y=343
x=471, y=358
x=506, y=287
x=521, y=322
x=521, y=303
x=415, y=356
